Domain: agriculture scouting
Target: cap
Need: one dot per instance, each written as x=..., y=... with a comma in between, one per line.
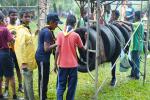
x=53, y=17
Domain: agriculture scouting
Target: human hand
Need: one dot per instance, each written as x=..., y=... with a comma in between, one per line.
x=37, y=31
x=85, y=35
x=55, y=68
x=24, y=67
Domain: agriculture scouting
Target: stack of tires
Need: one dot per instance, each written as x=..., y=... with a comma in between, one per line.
x=114, y=37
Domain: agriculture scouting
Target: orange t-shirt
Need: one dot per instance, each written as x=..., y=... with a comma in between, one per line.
x=67, y=53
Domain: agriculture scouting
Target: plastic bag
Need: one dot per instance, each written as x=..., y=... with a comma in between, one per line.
x=124, y=61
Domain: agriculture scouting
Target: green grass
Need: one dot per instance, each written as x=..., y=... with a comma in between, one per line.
x=126, y=89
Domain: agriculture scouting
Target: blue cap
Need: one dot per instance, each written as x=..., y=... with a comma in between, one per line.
x=53, y=17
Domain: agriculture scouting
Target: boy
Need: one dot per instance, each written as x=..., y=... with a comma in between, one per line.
x=13, y=28
x=67, y=41
x=137, y=45
x=6, y=62
x=25, y=52
x=45, y=45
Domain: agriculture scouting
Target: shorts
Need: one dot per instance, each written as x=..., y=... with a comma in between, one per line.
x=13, y=55
x=6, y=63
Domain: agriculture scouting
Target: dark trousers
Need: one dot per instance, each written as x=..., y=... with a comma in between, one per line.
x=66, y=75
x=113, y=71
x=13, y=55
x=135, y=64
x=43, y=74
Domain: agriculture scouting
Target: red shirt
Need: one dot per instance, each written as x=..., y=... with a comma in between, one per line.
x=67, y=52
x=5, y=37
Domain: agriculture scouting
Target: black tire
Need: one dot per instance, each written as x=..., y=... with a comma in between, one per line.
x=120, y=41
x=82, y=54
x=108, y=40
x=125, y=34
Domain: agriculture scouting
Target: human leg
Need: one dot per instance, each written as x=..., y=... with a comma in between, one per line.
x=28, y=84
x=72, y=83
x=19, y=76
x=62, y=81
x=43, y=73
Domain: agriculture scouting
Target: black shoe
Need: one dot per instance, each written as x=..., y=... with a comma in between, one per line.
x=15, y=97
x=20, y=89
x=113, y=82
x=1, y=97
x=137, y=77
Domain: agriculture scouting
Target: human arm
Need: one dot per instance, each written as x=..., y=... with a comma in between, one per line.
x=80, y=43
x=48, y=46
x=47, y=41
x=56, y=58
x=58, y=41
x=22, y=44
x=131, y=13
x=10, y=38
x=37, y=31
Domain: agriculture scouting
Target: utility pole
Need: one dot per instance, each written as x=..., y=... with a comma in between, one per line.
x=146, y=43
x=42, y=10
x=97, y=47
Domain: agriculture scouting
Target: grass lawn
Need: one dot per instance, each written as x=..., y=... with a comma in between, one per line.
x=126, y=89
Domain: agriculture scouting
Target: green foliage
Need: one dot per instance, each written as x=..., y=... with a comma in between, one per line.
x=18, y=2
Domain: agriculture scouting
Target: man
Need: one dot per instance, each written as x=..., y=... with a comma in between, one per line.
x=6, y=62
x=45, y=45
x=67, y=41
x=114, y=16
x=13, y=28
x=136, y=45
x=25, y=52
x=129, y=16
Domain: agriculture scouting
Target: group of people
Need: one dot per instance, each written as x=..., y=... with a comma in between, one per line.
x=17, y=49
x=133, y=19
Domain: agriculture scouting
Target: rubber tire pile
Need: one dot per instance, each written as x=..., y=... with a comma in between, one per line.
x=114, y=37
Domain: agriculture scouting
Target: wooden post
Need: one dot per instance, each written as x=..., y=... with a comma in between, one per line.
x=146, y=43
x=42, y=12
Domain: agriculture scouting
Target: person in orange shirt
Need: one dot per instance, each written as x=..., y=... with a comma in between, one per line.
x=66, y=58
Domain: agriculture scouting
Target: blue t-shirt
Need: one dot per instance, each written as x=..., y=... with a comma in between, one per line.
x=129, y=12
x=45, y=35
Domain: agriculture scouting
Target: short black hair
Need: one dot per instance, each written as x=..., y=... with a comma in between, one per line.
x=117, y=13
x=138, y=15
x=71, y=20
x=12, y=11
x=1, y=16
x=24, y=12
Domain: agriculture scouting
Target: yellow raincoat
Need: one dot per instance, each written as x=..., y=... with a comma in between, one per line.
x=12, y=29
x=24, y=47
